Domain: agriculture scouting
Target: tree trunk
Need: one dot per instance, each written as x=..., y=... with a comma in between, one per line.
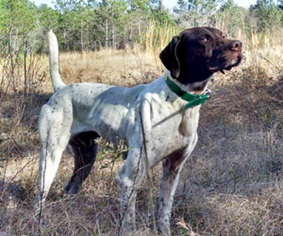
x=113, y=36
x=87, y=38
x=11, y=52
x=106, y=33
x=82, y=37
x=25, y=66
x=160, y=5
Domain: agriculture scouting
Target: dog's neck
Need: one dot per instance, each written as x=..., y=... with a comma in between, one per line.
x=193, y=88
x=193, y=99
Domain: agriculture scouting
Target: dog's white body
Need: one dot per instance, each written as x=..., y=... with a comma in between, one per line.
x=114, y=112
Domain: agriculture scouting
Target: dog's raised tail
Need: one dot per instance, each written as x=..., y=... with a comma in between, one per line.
x=54, y=62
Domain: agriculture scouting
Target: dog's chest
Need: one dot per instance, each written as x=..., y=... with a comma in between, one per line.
x=166, y=115
x=189, y=122
x=171, y=130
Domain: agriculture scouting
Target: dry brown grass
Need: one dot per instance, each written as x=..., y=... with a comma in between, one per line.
x=123, y=68
x=232, y=184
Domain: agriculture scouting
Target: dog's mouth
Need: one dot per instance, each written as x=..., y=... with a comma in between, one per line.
x=226, y=64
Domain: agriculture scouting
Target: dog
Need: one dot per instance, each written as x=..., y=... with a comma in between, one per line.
x=158, y=121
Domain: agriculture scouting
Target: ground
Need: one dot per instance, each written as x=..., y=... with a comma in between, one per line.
x=231, y=185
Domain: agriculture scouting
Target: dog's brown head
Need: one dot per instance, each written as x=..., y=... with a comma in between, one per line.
x=197, y=53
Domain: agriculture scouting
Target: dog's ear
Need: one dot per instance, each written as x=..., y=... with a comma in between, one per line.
x=169, y=57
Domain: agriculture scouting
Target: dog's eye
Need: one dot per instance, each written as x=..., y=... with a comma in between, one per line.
x=205, y=39
x=224, y=36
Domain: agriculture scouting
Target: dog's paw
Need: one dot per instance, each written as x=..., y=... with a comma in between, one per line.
x=72, y=188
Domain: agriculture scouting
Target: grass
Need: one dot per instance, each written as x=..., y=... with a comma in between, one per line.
x=231, y=185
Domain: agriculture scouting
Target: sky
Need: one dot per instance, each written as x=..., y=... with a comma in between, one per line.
x=168, y=3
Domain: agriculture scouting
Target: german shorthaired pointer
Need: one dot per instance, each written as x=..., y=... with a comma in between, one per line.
x=158, y=121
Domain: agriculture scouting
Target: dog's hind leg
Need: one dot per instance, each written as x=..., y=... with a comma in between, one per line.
x=85, y=151
x=54, y=131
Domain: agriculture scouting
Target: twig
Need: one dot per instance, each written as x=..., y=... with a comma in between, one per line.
x=271, y=63
x=19, y=171
x=18, y=145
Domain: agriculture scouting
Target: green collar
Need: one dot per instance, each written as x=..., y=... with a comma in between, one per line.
x=193, y=99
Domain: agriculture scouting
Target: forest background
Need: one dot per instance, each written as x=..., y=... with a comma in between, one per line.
x=91, y=25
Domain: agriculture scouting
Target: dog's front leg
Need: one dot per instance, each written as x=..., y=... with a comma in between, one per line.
x=129, y=178
x=172, y=167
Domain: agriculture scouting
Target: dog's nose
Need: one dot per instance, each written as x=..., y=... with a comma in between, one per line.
x=235, y=45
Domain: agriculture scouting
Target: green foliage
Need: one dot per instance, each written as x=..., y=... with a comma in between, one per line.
x=47, y=17
x=196, y=12
x=90, y=25
x=267, y=14
x=17, y=16
x=111, y=153
x=113, y=22
x=230, y=17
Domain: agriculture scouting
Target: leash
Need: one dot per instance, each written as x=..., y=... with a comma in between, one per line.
x=192, y=99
